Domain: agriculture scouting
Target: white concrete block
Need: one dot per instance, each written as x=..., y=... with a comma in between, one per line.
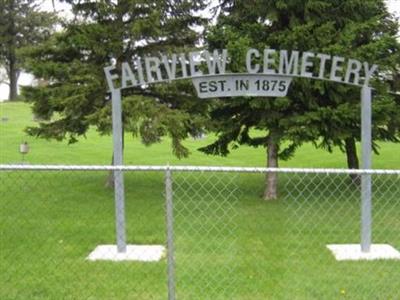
x=353, y=252
x=146, y=253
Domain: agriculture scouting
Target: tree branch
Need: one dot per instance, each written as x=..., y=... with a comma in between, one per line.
x=4, y=82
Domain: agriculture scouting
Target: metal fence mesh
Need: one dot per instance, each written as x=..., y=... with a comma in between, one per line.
x=50, y=221
x=228, y=242
x=205, y=219
x=324, y=209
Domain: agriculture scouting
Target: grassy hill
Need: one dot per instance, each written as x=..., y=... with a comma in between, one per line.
x=96, y=149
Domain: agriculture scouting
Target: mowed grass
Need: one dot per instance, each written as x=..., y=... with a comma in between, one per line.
x=96, y=149
x=229, y=243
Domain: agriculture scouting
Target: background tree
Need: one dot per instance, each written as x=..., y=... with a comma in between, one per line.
x=22, y=24
x=320, y=112
x=365, y=31
x=243, y=25
x=106, y=32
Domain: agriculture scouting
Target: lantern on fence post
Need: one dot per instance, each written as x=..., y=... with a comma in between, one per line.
x=23, y=149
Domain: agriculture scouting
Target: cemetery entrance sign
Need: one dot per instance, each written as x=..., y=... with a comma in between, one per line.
x=269, y=73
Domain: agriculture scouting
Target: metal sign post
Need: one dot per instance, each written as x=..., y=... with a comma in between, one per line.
x=118, y=174
x=170, y=234
x=366, y=191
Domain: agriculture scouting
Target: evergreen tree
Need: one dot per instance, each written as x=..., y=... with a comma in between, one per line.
x=22, y=24
x=367, y=32
x=103, y=32
x=324, y=113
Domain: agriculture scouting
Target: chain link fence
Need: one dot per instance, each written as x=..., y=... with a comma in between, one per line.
x=196, y=233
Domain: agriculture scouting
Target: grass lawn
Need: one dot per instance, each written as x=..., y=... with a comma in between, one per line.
x=229, y=243
x=95, y=149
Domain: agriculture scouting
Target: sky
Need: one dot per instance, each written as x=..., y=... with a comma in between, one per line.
x=63, y=9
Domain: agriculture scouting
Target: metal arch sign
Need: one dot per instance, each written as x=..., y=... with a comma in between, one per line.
x=233, y=85
x=269, y=73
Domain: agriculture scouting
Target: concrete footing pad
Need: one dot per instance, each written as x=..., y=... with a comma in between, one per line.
x=353, y=252
x=145, y=253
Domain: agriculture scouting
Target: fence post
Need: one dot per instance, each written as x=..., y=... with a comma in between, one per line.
x=170, y=234
x=118, y=174
x=366, y=191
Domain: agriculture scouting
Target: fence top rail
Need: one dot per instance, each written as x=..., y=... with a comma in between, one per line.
x=23, y=167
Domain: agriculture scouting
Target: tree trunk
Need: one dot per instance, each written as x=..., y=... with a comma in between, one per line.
x=12, y=69
x=13, y=77
x=352, y=159
x=271, y=179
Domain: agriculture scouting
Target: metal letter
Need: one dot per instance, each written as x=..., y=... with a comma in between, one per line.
x=336, y=67
x=217, y=61
x=127, y=76
x=353, y=68
x=289, y=65
x=323, y=58
x=152, y=65
x=194, y=63
x=249, y=55
x=369, y=72
x=269, y=61
x=110, y=77
x=306, y=63
x=170, y=68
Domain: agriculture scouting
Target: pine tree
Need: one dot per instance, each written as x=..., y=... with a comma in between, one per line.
x=22, y=24
x=365, y=31
x=72, y=61
x=324, y=113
